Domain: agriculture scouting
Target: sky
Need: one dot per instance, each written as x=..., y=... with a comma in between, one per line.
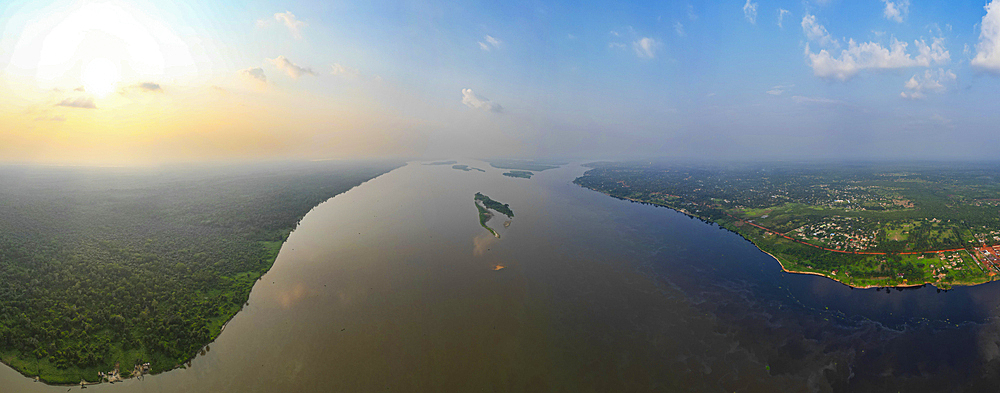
x=117, y=82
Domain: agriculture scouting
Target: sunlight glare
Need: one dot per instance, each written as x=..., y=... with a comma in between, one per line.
x=100, y=77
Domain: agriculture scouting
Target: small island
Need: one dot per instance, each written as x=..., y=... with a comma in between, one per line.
x=466, y=168
x=525, y=165
x=442, y=163
x=484, y=204
x=519, y=174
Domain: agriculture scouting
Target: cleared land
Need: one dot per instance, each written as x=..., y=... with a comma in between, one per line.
x=863, y=225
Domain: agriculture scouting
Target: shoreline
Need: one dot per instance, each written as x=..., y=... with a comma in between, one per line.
x=36, y=378
x=782, y=265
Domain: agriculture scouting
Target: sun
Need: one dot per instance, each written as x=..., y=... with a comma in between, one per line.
x=100, y=77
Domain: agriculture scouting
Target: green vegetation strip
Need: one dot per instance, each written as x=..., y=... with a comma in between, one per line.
x=484, y=204
x=863, y=225
x=106, y=266
x=520, y=174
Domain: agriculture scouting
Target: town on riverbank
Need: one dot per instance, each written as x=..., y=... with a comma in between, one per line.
x=864, y=226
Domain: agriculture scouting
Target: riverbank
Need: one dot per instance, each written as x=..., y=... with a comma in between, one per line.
x=939, y=285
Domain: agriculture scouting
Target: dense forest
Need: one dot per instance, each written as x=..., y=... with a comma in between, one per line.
x=106, y=266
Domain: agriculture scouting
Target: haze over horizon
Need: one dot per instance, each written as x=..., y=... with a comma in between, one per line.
x=116, y=82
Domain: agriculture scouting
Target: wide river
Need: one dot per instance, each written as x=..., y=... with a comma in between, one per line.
x=394, y=286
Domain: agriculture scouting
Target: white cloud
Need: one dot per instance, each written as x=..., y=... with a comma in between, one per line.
x=872, y=55
x=79, y=102
x=493, y=41
x=618, y=45
x=294, y=25
x=817, y=33
x=149, y=87
x=781, y=16
x=474, y=101
x=645, y=47
x=778, y=90
x=290, y=68
x=489, y=44
x=691, y=14
x=750, y=12
x=679, y=28
x=338, y=69
x=896, y=10
x=918, y=85
x=935, y=53
x=988, y=49
x=816, y=100
x=255, y=73
x=944, y=121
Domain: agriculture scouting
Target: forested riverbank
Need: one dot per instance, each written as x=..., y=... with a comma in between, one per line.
x=105, y=266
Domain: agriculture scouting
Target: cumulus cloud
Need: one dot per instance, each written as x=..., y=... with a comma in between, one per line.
x=290, y=68
x=79, y=102
x=645, y=47
x=777, y=90
x=781, y=16
x=896, y=10
x=872, y=55
x=988, y=49
x=750, y=12
x=474, y=101
x=294, y=25
x=342, y=70
x=816, y=32
x=491, y=43
x=149, y=86
x=919, y=85
x=256, y=73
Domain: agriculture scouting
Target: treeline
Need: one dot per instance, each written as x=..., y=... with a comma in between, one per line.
x=98, y=265
x=489, y=203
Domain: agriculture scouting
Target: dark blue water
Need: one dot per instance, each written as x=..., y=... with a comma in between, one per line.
x=921, y=339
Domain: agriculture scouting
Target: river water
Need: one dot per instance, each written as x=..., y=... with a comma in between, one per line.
x=394, y=286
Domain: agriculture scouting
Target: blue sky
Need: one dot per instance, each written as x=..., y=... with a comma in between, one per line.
x=836, y=79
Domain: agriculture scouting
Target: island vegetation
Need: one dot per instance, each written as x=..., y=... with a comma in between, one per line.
x=442, y=163
x=484, y=204
x=107, y=267
x=872, y=225
x=466, y=168
x=525, y=165
x=519, y=174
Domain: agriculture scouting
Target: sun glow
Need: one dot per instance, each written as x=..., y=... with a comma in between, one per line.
x=100, y=77
x=102, y=44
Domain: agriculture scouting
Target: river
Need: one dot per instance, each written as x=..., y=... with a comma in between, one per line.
x=394, y=286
